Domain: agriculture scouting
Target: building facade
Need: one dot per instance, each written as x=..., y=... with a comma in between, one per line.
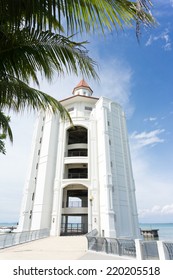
x=80, y=176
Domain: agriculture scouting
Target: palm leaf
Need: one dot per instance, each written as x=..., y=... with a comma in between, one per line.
x=77, y=15
x=23, y=53
x=5, y=127
x=2, y=144
x=17, y=95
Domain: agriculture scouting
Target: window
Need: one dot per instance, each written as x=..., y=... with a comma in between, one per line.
x=30, y=214
x=71, y=109
x=78, y=173
x=88, y=108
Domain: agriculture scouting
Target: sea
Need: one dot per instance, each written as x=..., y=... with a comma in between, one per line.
x=165, y=229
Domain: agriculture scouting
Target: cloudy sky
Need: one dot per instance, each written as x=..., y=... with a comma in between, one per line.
x=140, y=78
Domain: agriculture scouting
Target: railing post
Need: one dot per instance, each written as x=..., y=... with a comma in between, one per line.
x=119, y=247
x=163, y=254
x=4, y=241
x=139, y=252
x=106, y=246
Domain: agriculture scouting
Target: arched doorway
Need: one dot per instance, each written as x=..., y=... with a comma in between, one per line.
x=74, y=219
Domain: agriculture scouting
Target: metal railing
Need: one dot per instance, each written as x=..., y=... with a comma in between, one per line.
x=15, y=238
x=77, y=175
x=150, y=250
x=169, y=249
x=77, y=153
x=121, y=247
x=73, y=228
x=76, y=204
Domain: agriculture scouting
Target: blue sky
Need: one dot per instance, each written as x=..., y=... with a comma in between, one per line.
x=140, y=78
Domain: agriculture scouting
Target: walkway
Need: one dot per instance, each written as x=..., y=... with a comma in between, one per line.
x=54, y=248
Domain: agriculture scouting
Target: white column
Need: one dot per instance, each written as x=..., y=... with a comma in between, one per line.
x=139, y=254
x=163, y=254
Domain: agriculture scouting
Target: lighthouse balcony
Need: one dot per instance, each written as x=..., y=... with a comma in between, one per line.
x=75, y=211
x=76, y=160
x=77, y=150
x=76, y=171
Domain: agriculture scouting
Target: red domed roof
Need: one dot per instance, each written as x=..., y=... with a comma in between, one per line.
x=82, y=84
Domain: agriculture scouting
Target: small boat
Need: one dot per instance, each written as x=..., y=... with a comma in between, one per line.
x=5, y=230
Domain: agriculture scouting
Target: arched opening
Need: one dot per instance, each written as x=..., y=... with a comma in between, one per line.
x=77, y=140
x=74, y=210
x=77, y=134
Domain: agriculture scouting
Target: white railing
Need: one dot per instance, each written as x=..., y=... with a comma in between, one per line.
x=135, y=248
x=15, y=238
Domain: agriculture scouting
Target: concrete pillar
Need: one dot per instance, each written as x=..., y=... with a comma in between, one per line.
x=163, y=254
x=139, y=253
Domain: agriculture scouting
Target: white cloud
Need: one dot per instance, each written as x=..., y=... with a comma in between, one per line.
x=153, y=182
x=116, y=79
x=150, y=41
x=164, y=36
x=116, y=83
x=156, y=210
x=167, y=209
x=168, y=46
x=151, y=119
x=14, y=166
x=139, y=140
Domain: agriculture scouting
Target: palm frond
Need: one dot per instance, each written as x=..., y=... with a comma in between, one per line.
x=2, y=144
x=77, y=15
x=23, y=53
x=5, y=128
x=40, y=14
x=17, y=95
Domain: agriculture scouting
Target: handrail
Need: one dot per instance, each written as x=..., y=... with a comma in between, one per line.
x=77, y=175
x=76, y=204
x=77, y=153
x=73, y=228
x=16, y=238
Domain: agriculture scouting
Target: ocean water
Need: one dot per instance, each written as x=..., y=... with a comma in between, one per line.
x=7, y=224
x=165, y=229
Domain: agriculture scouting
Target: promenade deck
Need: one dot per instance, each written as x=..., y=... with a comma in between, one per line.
x=54, y=248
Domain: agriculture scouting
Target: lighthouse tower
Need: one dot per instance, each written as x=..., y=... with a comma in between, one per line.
x=80, y=176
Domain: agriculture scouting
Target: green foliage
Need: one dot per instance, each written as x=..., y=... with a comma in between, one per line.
x=75, y=15
x=33, y=39
x=5, y=131
x=2, y=144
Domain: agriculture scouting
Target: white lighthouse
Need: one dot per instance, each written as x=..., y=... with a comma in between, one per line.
x=80, y=176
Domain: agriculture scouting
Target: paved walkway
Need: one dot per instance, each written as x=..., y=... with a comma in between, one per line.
x=54, y=248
